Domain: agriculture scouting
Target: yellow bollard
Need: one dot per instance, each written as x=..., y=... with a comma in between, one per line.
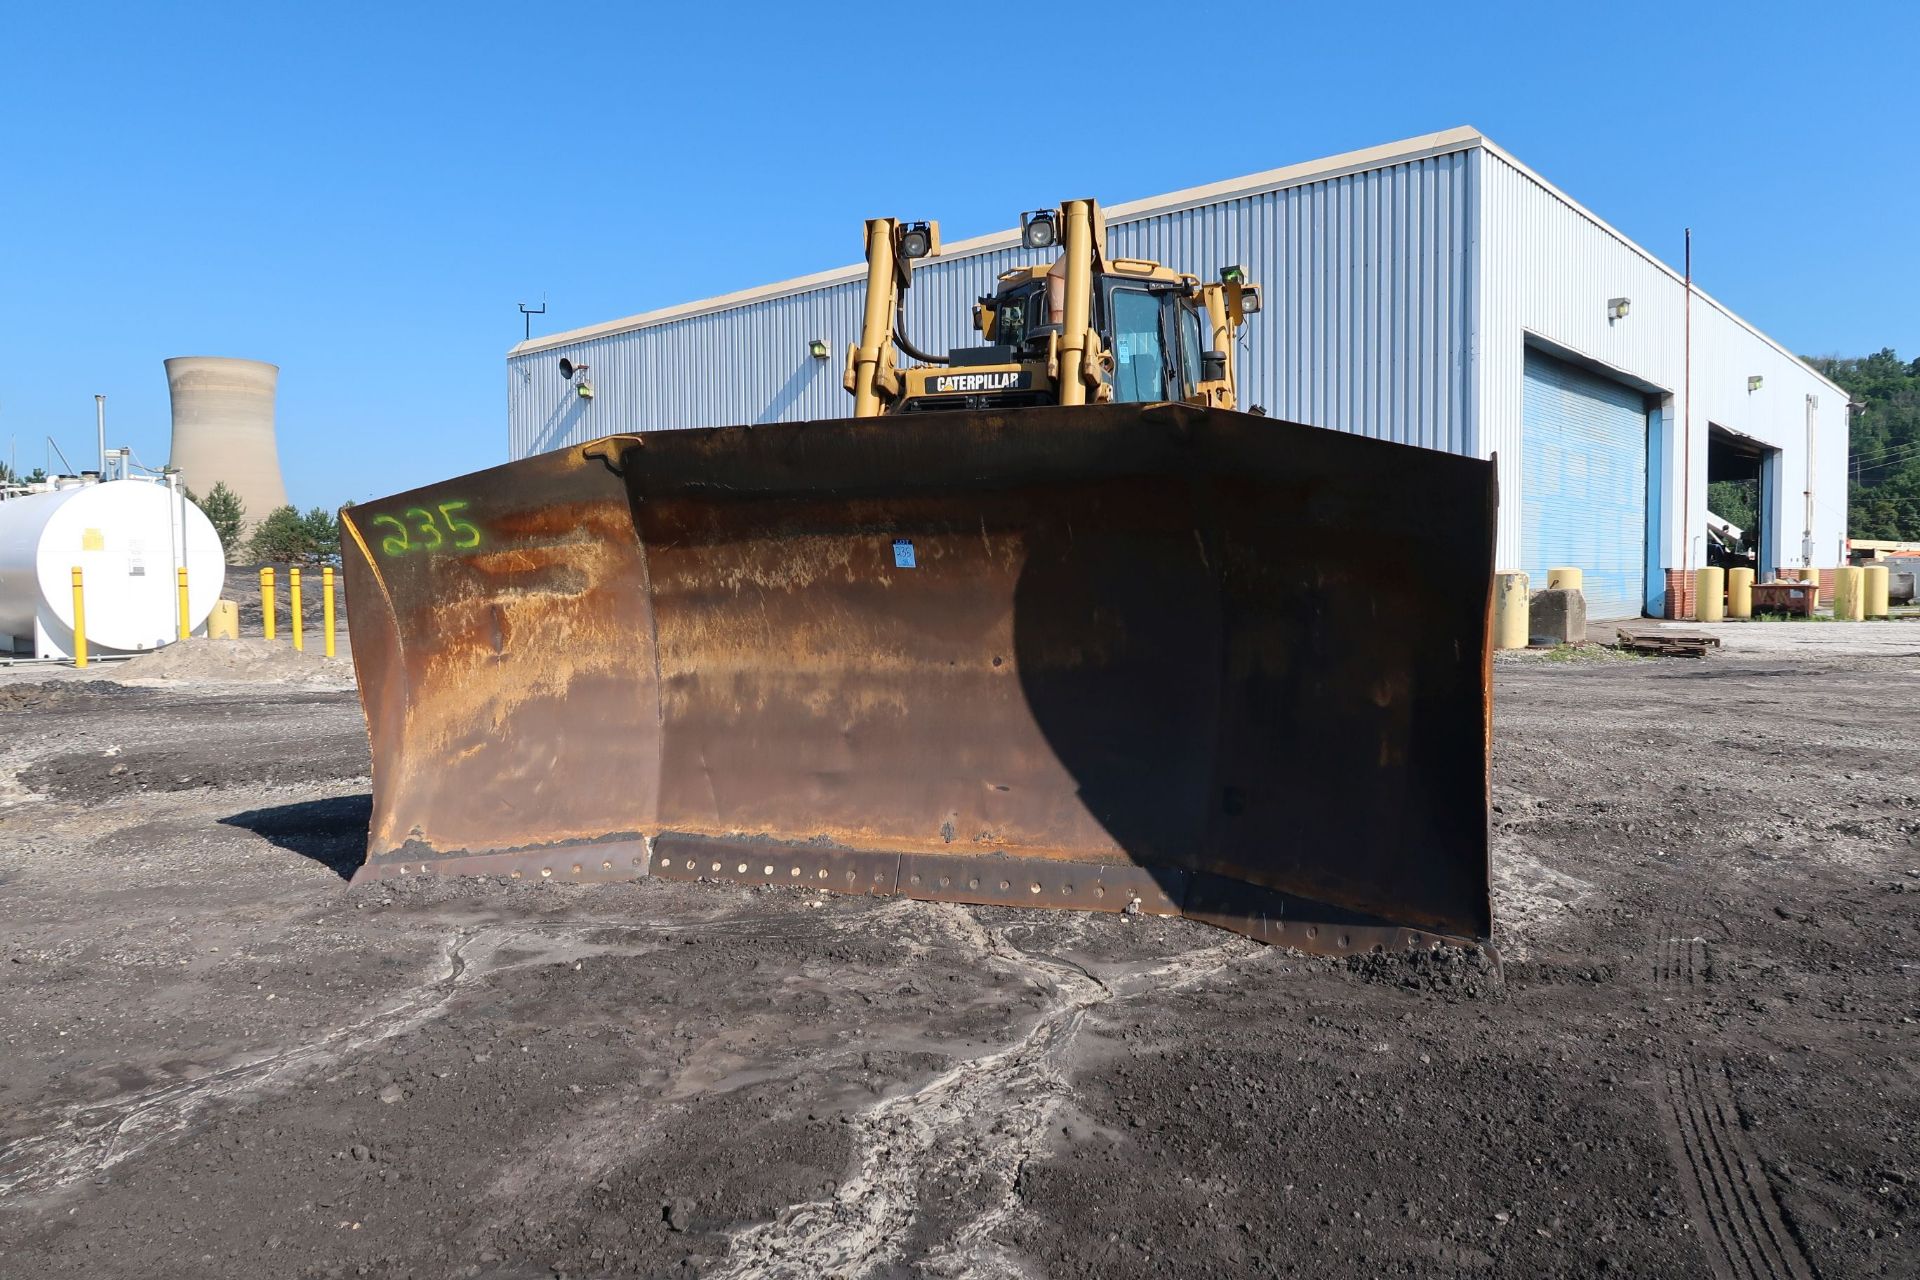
x=266, y=598
x=186, y=616
x=1709, y=594
x=326, y=585
x=1874, y=579
x=1565, y=578
x=1739, y=593
x=1849, y=597
x=79, y=621
x=224, y=622
x=293, y=609
x=1510, y=610
x=1807, y=575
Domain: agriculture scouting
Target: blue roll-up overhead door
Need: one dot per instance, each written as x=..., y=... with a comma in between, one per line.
x=1584, y=483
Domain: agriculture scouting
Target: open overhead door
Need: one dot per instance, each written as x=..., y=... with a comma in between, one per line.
x=1584, y=483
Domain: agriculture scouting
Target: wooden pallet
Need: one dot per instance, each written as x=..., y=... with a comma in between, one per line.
x=1668, y=644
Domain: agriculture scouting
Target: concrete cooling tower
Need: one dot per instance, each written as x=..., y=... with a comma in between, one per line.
x=223, y=429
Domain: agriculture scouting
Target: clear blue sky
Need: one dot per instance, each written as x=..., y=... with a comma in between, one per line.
x=361, y=193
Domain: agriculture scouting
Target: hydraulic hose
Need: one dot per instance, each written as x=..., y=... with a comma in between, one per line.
x=905, y=343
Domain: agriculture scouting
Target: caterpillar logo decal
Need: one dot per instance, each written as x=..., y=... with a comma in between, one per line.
x=1004, y=380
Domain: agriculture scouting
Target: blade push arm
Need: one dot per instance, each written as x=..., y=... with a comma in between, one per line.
x=872, y=365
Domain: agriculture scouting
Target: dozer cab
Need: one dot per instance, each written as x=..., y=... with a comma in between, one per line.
x=1085, y=329
x=1047, y=623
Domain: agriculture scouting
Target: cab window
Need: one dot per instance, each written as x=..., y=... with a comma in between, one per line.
x=1139, y=355
x=1191, y=346
x=1010, y=319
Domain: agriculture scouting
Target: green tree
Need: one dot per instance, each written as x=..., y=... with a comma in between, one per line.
x=279, y=537
x=289, y=537
x=320, y=529
x=1884, y=466
x=1734, y=500
x=227, y=512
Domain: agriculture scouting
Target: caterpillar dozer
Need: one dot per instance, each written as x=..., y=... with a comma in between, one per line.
x=1047, y=622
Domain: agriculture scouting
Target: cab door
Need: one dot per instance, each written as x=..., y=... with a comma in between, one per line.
x=1156, y=341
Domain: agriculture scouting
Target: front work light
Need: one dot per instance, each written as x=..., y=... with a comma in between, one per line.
x=1039, y=229
x=1249, y=299
x=919, y=239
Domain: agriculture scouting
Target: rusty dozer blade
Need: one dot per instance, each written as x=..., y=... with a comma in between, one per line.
x=1155, y=659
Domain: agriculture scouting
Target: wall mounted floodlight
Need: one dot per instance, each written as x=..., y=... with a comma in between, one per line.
x=1755, y=383
x=817, y=348
x=1617, y=308
x=1040, y=229
x=919, y=239
x=573, y=373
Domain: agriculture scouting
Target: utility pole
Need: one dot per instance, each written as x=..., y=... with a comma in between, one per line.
x=100, y=422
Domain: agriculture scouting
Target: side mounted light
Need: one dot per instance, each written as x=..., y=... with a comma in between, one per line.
x=1249, y=299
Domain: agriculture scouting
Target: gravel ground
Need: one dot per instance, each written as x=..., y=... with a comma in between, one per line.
x=1696, y=1056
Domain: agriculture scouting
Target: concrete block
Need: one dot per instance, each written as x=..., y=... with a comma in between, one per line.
x=1557, y=616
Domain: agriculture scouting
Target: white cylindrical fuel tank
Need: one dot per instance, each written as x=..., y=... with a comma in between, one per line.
x=127, y=537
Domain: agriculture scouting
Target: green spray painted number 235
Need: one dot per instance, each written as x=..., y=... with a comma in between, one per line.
x=422, y=530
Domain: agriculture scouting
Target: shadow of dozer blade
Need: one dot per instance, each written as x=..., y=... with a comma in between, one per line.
x=1152, y=659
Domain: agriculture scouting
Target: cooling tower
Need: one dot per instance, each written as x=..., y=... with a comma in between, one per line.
x=223, y=429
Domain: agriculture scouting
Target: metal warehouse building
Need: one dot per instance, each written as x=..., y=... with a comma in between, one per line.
x=1434, y=291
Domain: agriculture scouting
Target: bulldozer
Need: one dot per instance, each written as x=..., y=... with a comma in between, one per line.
x=1047, y=622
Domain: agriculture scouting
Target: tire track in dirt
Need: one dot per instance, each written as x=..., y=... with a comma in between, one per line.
x=1728, y=1196
x=86, y=1139
x=1681, y=962
x=979, y=1123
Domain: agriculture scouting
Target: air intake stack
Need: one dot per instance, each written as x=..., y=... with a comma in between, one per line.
x=223, y=429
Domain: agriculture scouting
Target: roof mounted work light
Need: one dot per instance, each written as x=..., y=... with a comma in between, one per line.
x=919, y=239
x=1040, y=229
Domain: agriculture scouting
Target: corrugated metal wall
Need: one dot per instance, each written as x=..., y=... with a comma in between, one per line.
x=1550, y=269
x=1367, y=280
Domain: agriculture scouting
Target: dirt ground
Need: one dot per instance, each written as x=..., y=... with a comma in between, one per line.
x=1696, y=1056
